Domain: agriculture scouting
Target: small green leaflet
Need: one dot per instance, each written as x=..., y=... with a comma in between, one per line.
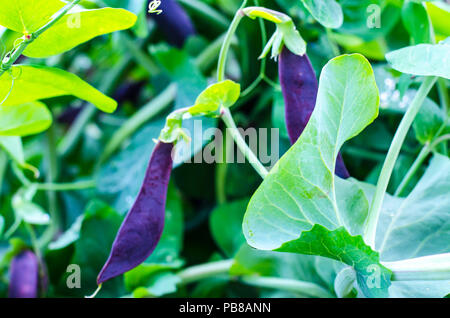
x=416, y=21
x=418, y=225
x=79, y=27
x=23, y=120
x=301, y=206
x=27, y=16
x=326, y=12
x=422, y=59
x=223, y=94
x=52, y=82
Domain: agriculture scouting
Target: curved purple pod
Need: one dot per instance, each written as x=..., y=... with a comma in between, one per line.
x=143, y=226
x=24, y=276
x=299, y=85
x=174, y=22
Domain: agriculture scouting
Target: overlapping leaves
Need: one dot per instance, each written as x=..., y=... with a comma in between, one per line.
x=301, y=207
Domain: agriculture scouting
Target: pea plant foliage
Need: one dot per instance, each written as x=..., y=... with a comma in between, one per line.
x=357, y=205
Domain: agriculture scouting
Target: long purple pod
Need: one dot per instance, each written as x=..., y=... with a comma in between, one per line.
x=300, y=87
x=142, y=228
x=174, y=22
x=24, y=276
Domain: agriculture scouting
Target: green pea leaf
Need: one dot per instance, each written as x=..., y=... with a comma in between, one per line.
x=422, y=59
x=223, y=94
x=416, y=21
x=301, y=206
x=326, y=12
x=22, y=87
x=229, y=238
x=429, y=121
x=27, y=16
x=23, y=120
x=79, y=27
x=13, y=147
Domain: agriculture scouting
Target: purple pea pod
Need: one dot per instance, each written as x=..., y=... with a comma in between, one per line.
x=174, y=22
x=299, y=85
x=142, y=228
x=24, y=276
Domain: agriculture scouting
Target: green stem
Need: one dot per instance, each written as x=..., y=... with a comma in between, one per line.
x=289, y=285
x=209, y=56
x=153, y=108
x=227, y=42
x=28, y=38
x=82, y=185
x=89, y=111
x=207, y=12
x=138, y=55
x=434, y=267
x=443, y=95
x=222, y=171
x=418, y=162
x=199, y=272
x=52, y=175
x=240, y=142
x=391, y=158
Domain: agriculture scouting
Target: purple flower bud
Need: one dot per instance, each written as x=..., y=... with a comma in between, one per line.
x=24, y=276
x=299, y=85
x=142, y=228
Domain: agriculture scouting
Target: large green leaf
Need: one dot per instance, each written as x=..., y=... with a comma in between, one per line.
x=418, y=225
x=76, y=28
x=301, y=207
x=422, y=59
x=27, y=83
x=327, y=12
x=26, y=16
x=23, y=120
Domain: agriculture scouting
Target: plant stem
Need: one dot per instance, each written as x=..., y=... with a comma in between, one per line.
x=391, y=158
x=290, y=285
x=443, y=95
x=147, y=112
x=89, y=111
x=52, y=174
x=138, y=55
x=227, y=42
x=418, y=162
x=434, y=267
x=207, y=12
x=82, y=185
x=240, y=142
x=199, y=272
x=28, y=38
x=209, y=55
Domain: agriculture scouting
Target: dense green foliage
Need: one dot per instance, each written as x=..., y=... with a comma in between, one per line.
x=88, y=87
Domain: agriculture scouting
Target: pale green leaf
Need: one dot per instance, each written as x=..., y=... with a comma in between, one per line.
x=223, y=94
x=326, y=12
x=79, y=27
x=32, y=82
x=27, y=16
x=422, y=59
x=295, y=209
x=418, y=225
x=13, y=147
x=23, y=120
x=226, y=225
